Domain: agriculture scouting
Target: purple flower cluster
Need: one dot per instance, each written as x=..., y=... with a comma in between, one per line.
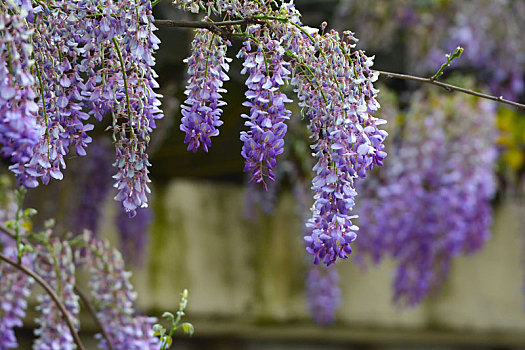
x=15, y=289
x=95, y=56
x=324, y=295
x=334, y=84
x=19, y=130
x=337, y=95
x=492, y=47
x=123, y=81
x=93, y=178
x=15, y=286
x=432, y=201
x=111, y=287
x=57, y=268
x=133, y=235
x=265, y=140
x=207, y=68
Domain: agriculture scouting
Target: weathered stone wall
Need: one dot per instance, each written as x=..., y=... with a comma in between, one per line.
x=242, y=272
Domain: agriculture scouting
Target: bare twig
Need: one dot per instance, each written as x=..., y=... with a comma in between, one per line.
x=7, y=231
x=52, y=294
x=217, y=27
x=205, y=25
x=93, y=313
x=450, y=87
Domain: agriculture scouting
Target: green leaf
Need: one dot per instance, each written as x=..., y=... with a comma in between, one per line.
x=168, y=315
x=158, y=330
x=188, y=328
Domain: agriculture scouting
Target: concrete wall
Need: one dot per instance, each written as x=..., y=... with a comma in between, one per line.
x=244, y=276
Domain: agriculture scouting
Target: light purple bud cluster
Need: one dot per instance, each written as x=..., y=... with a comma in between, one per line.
x=265, y=140
x=111, y=287
x=19, y=130
x=235, y=8
x=324, y=295
x=492, y=46
x=207, y=68
x=57, y=268
x=432, y=202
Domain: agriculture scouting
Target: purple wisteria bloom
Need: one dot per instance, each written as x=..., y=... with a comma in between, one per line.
x=110, y=285
x=57, y=268
x=207, y=68
x=87, y=58
x=324, y=295
x=93, y=181
x=16, y=285
x=431, y=203
x=337, y=95
x=133, y=235
x=265, y=140
x=19, y=130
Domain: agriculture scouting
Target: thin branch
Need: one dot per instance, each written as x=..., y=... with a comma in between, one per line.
x=51, y=293
x=7, y=231
x=450, y=87
x=217, y=28
x=93, y=313
x=168, y=23
x=82, y=296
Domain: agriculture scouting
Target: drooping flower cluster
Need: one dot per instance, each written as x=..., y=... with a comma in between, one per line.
x=19, y=130
x=133, y=235
x=15, y=286
x=207, y=68
x=111, y=287
x=432, y=201
x=334, y=84
x=339, y=99
x=87, y=58
x=265, y=140
x=492, y=47
x=93, y=183
x=323, y=293
x=57, y=268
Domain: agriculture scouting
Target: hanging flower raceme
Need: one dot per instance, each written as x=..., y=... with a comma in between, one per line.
x=337, y=95
x=110, y=285
x=268, y=114
x=15, y=289
x=91, y=58
x=324, y=295
x=207, y=68
x=133, y=235
x=94, y=184
x=432, y=202
x=334, y=84
x=19, y=129
x=57, y=268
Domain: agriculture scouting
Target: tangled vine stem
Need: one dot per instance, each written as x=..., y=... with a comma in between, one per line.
x=51, y=293
x=82, y=296
x=217, y=27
